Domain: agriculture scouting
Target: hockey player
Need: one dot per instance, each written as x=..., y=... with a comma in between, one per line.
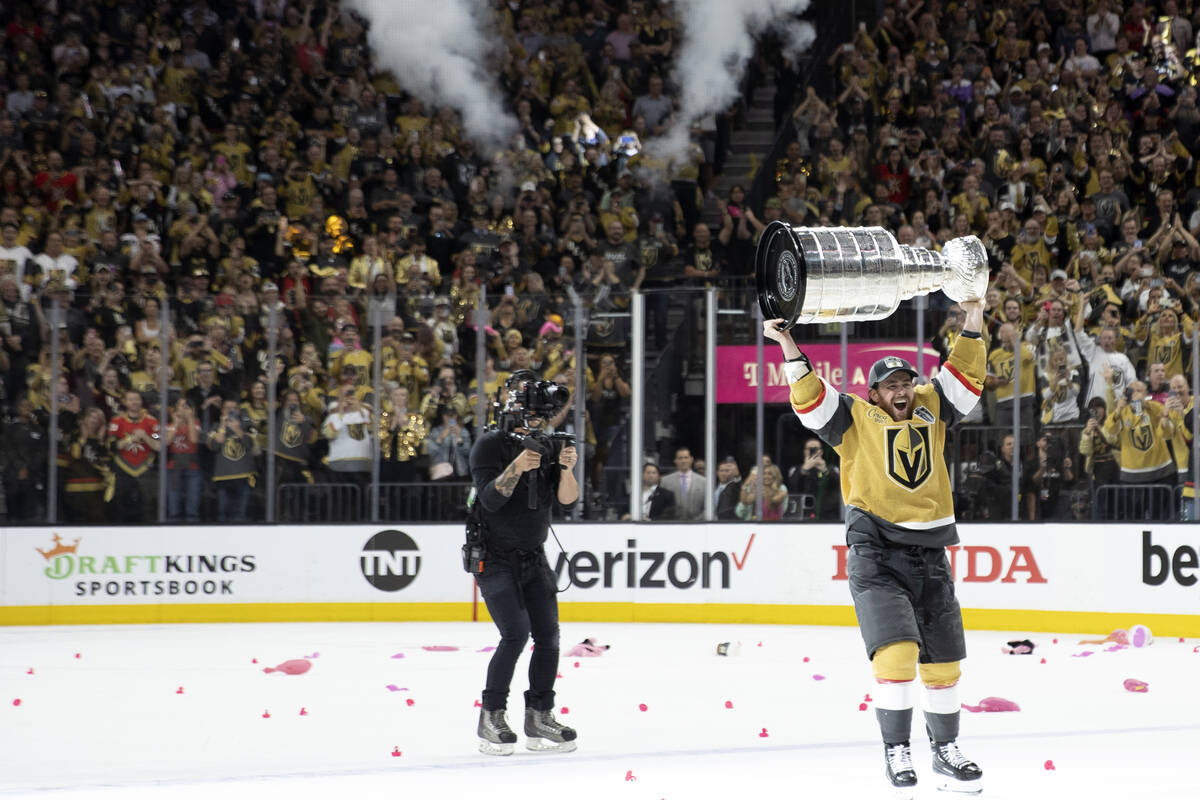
x=899, y=519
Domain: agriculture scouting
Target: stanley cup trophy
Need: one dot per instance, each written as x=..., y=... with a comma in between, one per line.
x=852, y=274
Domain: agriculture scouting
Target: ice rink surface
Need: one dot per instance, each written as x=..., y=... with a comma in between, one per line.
x=102, y=715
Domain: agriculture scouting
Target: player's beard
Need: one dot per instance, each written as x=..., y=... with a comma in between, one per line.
x=902, y=411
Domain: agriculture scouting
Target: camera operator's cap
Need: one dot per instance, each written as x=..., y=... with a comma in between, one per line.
x=885, y=366
x=1058, y=274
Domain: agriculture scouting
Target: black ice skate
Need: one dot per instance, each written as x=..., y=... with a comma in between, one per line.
x=956, y=772
x=543, y=732
x=898, y=760
x=495, y=737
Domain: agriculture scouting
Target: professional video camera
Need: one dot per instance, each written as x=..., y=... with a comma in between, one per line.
x=527, y=399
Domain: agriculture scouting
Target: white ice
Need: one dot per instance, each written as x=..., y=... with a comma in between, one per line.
x=111, y=723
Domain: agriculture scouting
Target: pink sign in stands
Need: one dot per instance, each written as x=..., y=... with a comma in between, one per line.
x=737, y=367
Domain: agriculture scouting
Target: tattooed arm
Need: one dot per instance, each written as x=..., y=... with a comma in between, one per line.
x=496, y=485
x=507, y=480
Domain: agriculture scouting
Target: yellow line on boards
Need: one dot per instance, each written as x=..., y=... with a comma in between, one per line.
x=733, y=613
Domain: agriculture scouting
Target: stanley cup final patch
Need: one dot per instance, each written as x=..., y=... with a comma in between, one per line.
x=786, y=275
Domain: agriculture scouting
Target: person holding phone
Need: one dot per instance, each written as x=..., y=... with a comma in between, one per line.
x=234, y=472
x=134, y=437
x=1142, y=428
x=348, y=428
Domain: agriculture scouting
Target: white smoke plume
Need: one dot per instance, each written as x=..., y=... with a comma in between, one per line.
x=717, y=41
x=441, y=51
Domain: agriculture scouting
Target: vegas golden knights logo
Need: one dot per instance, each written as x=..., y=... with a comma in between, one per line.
x=234, y=450
x=1140, y=435
x=358, y=431
x=1164, y=351
x=1005, y=369
x=290, y=435
x=909, y=456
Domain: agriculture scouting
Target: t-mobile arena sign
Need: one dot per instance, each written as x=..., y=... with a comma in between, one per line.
x=737, y=367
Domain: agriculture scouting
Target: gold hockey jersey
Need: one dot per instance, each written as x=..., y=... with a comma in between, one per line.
x=1002, y=363
x=1143, y=453
x=893, y=470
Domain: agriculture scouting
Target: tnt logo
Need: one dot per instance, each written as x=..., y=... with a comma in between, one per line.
x=390, y=561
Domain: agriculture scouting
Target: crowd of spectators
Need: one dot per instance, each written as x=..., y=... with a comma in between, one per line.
x=1063, y=134
x=202, y=183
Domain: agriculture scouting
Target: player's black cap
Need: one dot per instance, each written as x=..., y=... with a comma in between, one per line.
x=886, y=366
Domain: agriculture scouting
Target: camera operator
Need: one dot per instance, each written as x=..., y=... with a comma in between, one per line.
x=518, y=475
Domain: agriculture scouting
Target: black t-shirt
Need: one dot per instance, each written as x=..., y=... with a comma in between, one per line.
x=369, y=168
x=711, y=257
x=509, y=521
x=116, y=261
x=624, y=256
x=1179, y=269
x=999, y=250
x=662, y=265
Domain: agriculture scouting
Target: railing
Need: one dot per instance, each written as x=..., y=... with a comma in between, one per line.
x=320, y=502
x=1148, y=502
x=425, y=501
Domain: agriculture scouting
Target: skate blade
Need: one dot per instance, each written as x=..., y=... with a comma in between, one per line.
x=495, y=748
x=546, y=746
x=953, y=786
